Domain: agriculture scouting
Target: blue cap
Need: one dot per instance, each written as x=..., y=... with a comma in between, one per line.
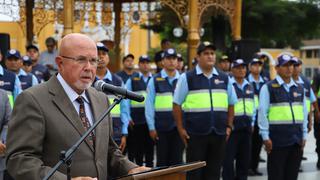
x=179, y=56
x=101, y=46
x=256, y=61
x=284, y=59
x=238, y=62
x=13, y=53
x=144, y=58
x=32, y=46
x=169, y=53
x=204, y=45
x=26, y=60
x=296, y=60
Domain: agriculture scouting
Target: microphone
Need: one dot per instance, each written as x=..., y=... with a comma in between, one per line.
x=116, y=90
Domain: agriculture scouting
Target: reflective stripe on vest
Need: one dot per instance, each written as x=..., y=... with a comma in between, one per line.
x=11, y=99
x=256, y=100
x=244, y=108
x=115, y=112
x=280, y=113
x=136, y=104
x=163, y=102
x=199, y=101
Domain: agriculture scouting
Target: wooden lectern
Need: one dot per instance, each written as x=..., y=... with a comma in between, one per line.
x=169, y=173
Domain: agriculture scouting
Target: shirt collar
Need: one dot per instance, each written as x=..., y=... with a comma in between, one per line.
x=244, y=83
x=69, y=91
x=300, y=81
x=1, y=70
x=108, y=75
x=164, y=74
x=141, y=75
x=281, y=82
x=199, y=70
x=22, y=73
x=251, y=79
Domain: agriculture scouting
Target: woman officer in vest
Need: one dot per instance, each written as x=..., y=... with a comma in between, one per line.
x=282, y=119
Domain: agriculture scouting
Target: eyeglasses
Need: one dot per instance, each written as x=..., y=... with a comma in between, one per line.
x=82, y=60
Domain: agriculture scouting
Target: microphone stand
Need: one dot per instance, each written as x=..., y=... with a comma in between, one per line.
x=66, y=156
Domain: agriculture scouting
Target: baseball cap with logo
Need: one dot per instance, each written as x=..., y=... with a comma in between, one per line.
x=284, y=59
x=13, y=53
x=144, y=58
x=26, y=60
x=238, y=62
x=170, y=53
x=204, y=45
x=101, y=46
x=256, y=61
x=296, y=60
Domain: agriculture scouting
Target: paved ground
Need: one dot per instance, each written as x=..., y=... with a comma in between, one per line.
x=310, y=171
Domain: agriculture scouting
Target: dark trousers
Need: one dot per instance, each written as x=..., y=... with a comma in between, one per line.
x=316, y=132
x=209, y=148
x=238, y=150
x=169, y=148
x=141, y=145
x=283, y=163
x=256, y=148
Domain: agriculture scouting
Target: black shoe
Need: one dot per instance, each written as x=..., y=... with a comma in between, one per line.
x=300, y=170
x=258, y=173
x=318, y=165
x=304, y=158
x=254, y=173
x=251, y=173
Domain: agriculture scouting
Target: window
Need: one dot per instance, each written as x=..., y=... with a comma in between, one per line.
x=308, y=53
x=307, y=72
x=316, y=53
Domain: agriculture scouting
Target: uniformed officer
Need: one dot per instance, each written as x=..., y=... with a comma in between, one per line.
x=208, y=99
x=283, y=121
x=140, y=144
x=120, y=124
x=256, y=79
x=224, y=64
x=14, y=63
x=40, y=71
x=159, y=116
x=26, y=64
x=9, y=81
x=239, y=145
x=128, y=68
x=316, y=125
x=180, y=66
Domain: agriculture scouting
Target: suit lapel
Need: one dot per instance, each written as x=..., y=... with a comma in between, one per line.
x=62, y=101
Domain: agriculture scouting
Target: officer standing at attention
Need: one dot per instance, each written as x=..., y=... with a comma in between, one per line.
x=39, y=70
x=207, y=97
x=120, y=126
x=283, y=121
x=257, y=81
x=159, y=116
x=224, y=64
x=26, y=64
x=142, y=146
x=9, y=81
x=14, y=63
x=128, y=68
x=239, y=144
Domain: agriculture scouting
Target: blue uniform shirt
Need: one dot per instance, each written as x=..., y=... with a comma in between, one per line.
x=34, y=78
x=123, y=117
x=126, y=104
x=151, y=93
x=241, y=86
x=17, y=85
x=251, y=80
x=312, y=96
x=182, y=89
x=264, y=97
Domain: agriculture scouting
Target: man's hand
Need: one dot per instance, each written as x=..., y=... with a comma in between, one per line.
x=268, y=145
x=154, y=135
x=228, y=133
x=84, y=178
x=139, y=169
x=184, y=136
x=310, y=126
x=131, y=124
x=303, y=144
x=123, y=143
x=2, y=148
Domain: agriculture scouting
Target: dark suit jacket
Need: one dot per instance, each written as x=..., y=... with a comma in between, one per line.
x=44, y=122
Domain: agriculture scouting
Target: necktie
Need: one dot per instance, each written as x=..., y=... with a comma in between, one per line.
x=84, y=119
